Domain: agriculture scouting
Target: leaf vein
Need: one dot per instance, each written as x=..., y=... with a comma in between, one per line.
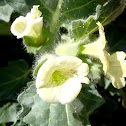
x=77, y=7
x=51, y=11
x=49, y=114
x=67, y=113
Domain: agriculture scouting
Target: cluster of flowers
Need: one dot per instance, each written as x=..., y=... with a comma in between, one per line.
x=60, y=78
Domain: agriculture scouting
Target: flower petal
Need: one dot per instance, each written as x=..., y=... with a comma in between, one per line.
x=84, y=80
x=120, y=55
x=68, y=62
x=117, y=70
x=51, y=94
x=69, y=90
x=18, y=26
x=123, y=64
x=96, y=48
x=117, y=82
x=45, y=72
x=83, y=69
x=35, y=13
x=34, y=29
x=58, y=79
x=101, y=38
x=118, y=64
x=105, y=61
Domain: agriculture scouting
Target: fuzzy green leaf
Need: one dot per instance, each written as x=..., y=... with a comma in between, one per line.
x=19, y=6
x=105, y=13
x=31, y=45
x=20, y=123
x=5, y=11
x=90, y=97
x=42, y=113
x=35, y=111
x=58, y=12
x=78, y=17
x=8, y=112
x=13, y=78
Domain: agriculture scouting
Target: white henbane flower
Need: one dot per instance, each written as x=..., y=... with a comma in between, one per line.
x=59, y=79
x=96, y=48
x=117, y=69
x=114, y=65
x=31, y=25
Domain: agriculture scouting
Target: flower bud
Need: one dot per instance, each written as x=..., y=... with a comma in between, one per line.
x=29, y=28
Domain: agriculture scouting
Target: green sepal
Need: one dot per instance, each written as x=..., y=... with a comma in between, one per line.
x=95, y=67
x=67, y=47
x=38, y=67
x=35, y=45
x=32, y=45
x=41, y=60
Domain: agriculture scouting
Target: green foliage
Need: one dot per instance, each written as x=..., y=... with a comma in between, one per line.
x=19, y=6
x=5, y=11
x=35, y=111
x=78, y=18
x=8, y=112
x=90, y=98
x=13, y=78
x=81, y=28
x=43, y=113
x=61, y=12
